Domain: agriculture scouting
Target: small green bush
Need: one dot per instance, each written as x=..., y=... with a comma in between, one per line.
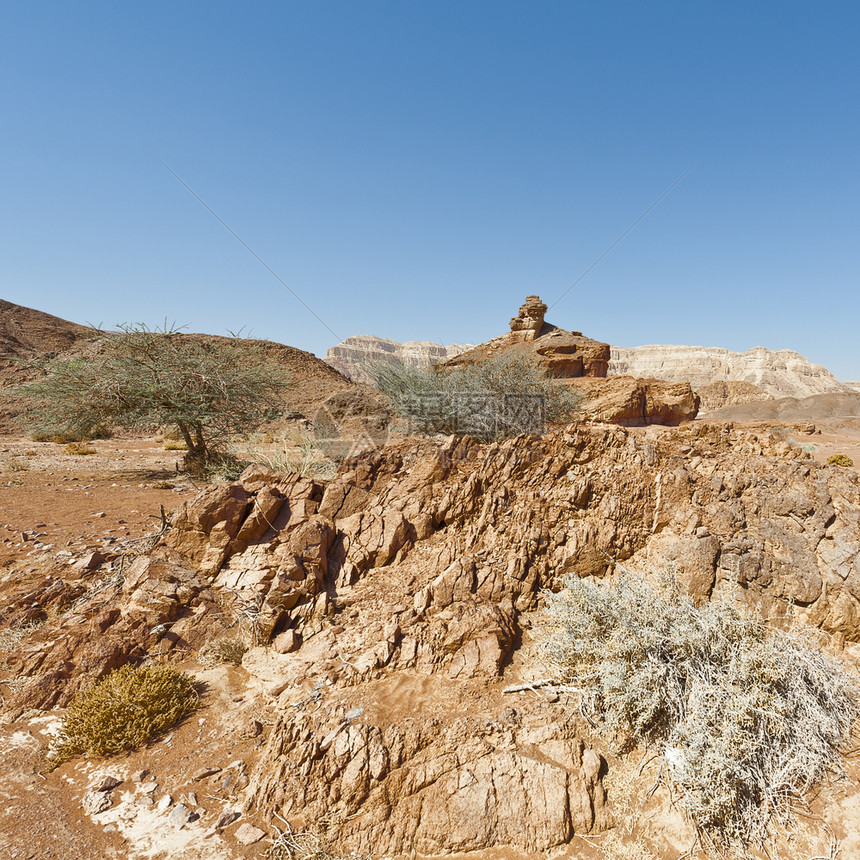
x=748, y=718
x=840, y=460
x=124, y=710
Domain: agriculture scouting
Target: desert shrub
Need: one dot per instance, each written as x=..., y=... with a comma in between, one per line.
x=51, y=434
x=223, y=651
x=747, y=718
x=79, y=449
x=124, y=710
x=493, y=399
x=840, y=460
x=297, y=452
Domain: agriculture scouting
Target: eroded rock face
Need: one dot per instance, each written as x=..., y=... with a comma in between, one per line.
x=433, y=786
x=716, y=395
x=583, y=363
x=633, y=402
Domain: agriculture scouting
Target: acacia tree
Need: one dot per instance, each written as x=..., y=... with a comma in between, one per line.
x=209, y=388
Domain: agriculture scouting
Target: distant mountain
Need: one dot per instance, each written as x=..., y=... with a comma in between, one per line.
x=780, y=373
x=352, y=355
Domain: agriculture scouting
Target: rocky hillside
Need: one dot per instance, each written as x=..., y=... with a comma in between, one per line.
x=780, y=373
x=351, y=356
x=391, y=608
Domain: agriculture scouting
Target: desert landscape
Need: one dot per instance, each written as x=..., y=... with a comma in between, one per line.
x=368, y=644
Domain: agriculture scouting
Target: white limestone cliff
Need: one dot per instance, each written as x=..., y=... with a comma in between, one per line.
x=350, y=356
x=780, y=372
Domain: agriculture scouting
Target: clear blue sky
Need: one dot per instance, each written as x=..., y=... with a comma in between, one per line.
x=414, y=169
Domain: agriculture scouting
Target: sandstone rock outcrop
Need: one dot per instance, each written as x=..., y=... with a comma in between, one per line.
x=633, y=402
x=562, y=354
x=414, y=575
x=778, y=372
x=583, y=362
x=351, y=356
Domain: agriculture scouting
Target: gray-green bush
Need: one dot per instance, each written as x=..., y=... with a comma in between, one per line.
x=493, y=399
x=748, y=718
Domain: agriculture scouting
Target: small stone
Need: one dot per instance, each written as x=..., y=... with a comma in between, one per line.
x=179, y=816
x=139, y=775
x=287, y=642
x=227, y=817
x=247, y=834
x=165, y=803
x=354, y=714
x=106, y=783
x=95, y=802
x=204, y=772
x=252, y=729
x=149, y=787
x=90, y=561
x=100, y=515
x=190, y=799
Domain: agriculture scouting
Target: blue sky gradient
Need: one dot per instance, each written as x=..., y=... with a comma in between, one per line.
x=414, y=169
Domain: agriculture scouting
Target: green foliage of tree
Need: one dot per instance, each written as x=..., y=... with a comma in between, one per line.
x=211, y=389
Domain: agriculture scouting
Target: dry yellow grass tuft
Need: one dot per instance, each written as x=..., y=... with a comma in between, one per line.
x=223, y=651
x=79, y=449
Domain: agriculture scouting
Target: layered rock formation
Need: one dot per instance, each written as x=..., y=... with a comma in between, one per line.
x=352, y=356
x=407, y=588
x=583, y=363
x=780, y=373
x=562, y=354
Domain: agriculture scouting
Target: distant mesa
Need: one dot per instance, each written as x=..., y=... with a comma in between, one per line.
x=352, y=356
x=721, y=378
x=776, y=372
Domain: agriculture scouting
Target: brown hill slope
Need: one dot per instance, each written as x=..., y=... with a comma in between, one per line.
x=819, y=407
x=28, y=332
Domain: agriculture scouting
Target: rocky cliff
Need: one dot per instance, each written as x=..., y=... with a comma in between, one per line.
x=351, y=356
x=780, y=373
